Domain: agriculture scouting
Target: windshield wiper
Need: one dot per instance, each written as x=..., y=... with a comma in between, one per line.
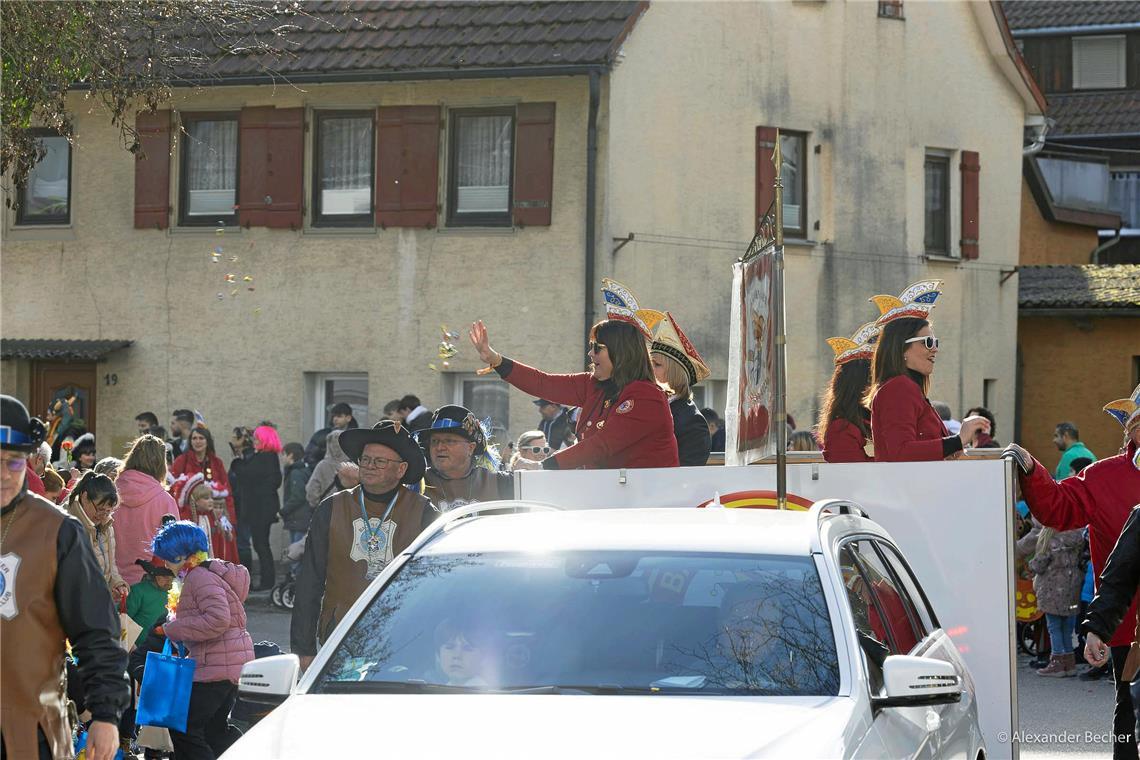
x=606, y=688
x=387, y=687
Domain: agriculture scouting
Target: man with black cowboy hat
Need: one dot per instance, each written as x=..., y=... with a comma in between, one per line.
x=51, y=591
x=355, y=533
x=457, y=445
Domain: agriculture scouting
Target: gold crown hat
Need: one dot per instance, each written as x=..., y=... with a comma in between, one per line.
x=670, y=339
x=916, y=301
x=1126, y=411
x=861, y=345
x=622, y=306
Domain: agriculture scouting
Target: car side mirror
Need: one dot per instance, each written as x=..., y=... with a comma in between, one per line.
x=269, y=680
x=918, y=682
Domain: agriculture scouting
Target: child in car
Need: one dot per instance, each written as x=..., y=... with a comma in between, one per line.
x=461, y=653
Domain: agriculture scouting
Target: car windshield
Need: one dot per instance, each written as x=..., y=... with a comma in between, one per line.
x=594, y=622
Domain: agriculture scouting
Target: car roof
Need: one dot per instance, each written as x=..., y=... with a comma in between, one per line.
x=728, y=531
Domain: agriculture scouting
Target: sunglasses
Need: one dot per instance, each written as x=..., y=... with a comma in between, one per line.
x=929, y=341
x=596, y=347
x=16, y=464
x=536, y=449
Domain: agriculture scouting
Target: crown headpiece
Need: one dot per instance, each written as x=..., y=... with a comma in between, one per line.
x=861, y=345
x=916, y=301
x=1126, y=411
x=669, y=339
x=622, y=306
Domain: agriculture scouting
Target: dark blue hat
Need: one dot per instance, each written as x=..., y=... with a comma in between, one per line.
x=18, y=431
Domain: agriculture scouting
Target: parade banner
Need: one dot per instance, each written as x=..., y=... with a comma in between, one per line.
x=752, y=369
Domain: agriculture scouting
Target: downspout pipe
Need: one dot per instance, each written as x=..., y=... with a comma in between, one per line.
x=591, y=202
x=1039, y=143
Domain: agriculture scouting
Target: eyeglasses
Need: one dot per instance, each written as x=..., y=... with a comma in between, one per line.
x=929, y=341
x=596, y=347
x=377, y=462
x=536, y=449
x=15, y=464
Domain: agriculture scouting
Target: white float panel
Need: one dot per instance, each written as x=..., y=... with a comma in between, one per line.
x=952, y=520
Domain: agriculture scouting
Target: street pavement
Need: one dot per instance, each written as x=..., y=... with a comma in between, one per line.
x=1057, y=715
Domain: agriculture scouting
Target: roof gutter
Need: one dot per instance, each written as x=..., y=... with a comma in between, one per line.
x=1080, y=311
x=380, y=75
x=1051, y=31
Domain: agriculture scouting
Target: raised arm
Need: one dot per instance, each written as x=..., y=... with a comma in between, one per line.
x=569, y=389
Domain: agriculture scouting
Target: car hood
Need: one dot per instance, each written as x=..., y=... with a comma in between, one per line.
x=554, y=725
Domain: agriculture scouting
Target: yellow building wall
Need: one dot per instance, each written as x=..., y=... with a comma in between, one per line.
x=1045, y=242
x=1071, y=367
x=873, y=94
x=324, y=301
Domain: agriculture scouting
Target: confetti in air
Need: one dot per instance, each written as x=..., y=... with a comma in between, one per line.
x=447, y=349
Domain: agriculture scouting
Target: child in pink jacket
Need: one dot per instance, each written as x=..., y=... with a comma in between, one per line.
x=207, y=615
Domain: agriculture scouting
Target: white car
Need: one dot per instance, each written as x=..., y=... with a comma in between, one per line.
x=702, y=633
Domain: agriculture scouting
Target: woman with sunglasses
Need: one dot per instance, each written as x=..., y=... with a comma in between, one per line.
x=907, y=429
x=625, y=419
x=530, y=450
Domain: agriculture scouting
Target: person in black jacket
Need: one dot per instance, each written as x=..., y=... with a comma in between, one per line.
x=260, y=479
x=51, y=591
x=677, y=364
x=1118, y=585
x=340, y=418
x=241, y=445
x=557, y=424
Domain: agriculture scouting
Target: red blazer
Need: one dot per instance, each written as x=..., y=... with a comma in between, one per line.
x=907, y=429
x=634, y=430
x=1101, y=497
x=843, y=442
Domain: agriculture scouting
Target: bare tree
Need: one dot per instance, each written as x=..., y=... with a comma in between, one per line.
x=126, y=56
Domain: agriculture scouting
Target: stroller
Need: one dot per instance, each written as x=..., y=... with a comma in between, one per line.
x=282, y=594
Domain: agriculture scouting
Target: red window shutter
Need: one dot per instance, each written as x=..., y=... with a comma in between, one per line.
x=270, y=149
x=765, y=172
x=970, y=168
x=152, y=172
x=534, y=163
x=407, y=166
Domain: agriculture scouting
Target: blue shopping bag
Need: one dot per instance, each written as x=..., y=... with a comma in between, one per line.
x=164, y=698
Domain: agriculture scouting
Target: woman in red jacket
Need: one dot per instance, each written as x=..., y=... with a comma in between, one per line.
x=907, y=429
x=625, y=419
x=844, y=428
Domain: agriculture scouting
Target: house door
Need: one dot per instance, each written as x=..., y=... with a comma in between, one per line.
x=65, y=381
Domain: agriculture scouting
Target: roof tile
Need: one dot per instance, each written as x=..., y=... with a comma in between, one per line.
x=1090, y=286
x=336, y=38
x=1024, y=15
x=1095, y=113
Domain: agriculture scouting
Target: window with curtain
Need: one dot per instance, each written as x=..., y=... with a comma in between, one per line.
x=344, y=163
x=936, y=204
x=46, y=196
x=793, y=170
x=209, y=169
x=482, y=160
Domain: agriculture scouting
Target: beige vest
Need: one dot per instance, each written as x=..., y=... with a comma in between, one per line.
x=34, y=680
x=352, y=563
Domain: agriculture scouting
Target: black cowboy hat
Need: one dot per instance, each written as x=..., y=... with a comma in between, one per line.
x=391, y=434
x=18, y=431
x=458, y=420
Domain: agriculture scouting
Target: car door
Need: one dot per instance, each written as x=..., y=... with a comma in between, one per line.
x=958, y=733
x=884, y=627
